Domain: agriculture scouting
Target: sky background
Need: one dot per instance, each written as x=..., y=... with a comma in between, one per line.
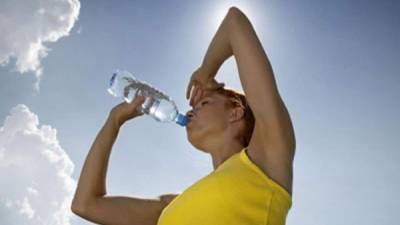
x=336, y=64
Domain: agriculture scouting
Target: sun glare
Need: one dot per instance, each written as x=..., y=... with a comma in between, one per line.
x=220, y=9
x=216, y=14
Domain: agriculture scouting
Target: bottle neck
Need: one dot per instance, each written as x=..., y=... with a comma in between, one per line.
x=181, y=119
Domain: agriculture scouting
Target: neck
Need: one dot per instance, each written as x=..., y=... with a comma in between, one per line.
x=224, y=151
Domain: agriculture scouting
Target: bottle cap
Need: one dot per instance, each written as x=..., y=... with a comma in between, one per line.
x=182, y=120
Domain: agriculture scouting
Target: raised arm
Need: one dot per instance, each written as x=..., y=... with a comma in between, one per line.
x=258, y=81
x=90, y=200
x=272, y=145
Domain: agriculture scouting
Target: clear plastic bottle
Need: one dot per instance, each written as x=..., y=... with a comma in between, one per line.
x=157, y=104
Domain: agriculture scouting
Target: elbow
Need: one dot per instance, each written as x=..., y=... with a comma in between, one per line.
x=236, y=17
x=76, y=205
x=78, y=209
x=235, y=12
x=234, y=9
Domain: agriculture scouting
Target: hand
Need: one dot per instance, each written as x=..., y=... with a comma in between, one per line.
x=200, y=82
x=126, y=111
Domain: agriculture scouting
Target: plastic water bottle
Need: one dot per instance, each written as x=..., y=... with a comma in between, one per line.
x=157, y=104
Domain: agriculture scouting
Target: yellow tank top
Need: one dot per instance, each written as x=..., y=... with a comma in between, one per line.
x=237, y=192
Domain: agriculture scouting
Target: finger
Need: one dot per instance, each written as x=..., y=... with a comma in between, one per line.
x=139, y=99
x=188, y=89
x=192, y=90
x=198, y=95
x=193, y=94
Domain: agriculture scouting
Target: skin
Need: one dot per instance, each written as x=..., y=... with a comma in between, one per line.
x=213, y=128
x=272, y=145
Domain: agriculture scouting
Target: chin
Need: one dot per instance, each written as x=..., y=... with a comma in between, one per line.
x=195, y=140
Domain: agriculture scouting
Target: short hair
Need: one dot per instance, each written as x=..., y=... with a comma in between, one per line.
x=238, y=99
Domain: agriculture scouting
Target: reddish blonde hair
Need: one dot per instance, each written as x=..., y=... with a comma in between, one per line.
x=238, y=99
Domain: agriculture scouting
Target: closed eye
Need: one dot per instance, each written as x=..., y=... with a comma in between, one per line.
x=202, y=103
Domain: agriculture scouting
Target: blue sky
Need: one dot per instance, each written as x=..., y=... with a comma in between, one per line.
x=336, y=64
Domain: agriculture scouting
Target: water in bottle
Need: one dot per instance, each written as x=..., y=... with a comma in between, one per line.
x=157, y=104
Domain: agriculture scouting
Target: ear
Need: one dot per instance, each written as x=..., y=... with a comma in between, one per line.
x=236, y=114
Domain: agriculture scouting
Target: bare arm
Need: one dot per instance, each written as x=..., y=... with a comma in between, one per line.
x=273, y=142
x=90, y=200
x=236, y=36
x=92, y=181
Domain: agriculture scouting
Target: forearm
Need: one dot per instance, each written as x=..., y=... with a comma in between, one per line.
x=92, y=181
x=220, y=48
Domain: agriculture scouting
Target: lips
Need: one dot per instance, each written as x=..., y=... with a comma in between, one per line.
x=190, y=122
x=191, y=117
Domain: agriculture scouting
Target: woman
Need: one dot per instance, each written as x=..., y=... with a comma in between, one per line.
x=249, y=137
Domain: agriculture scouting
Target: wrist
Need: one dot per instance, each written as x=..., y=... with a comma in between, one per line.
x=208, y=70
x=114, y=120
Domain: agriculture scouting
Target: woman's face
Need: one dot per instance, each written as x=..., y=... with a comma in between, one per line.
x=208, y=118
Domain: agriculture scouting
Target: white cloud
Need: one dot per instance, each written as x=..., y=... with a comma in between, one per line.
x=26, y=25
x=35, y=172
